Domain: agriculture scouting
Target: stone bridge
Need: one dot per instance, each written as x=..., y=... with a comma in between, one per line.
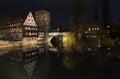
x=55, y=35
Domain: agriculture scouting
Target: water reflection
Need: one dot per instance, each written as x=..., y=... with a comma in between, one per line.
x=25, y=57
x=35, y=62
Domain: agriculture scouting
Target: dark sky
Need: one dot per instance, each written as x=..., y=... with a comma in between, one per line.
x=60, y=9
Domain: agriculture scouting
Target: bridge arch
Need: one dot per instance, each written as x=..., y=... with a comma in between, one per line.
x=53, y=35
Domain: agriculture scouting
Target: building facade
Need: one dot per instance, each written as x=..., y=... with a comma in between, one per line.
x=23, y=29
x=30, y=30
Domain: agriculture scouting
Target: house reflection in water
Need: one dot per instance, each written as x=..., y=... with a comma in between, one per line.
x=26, y=58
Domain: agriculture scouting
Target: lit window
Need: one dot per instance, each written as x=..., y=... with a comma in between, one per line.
x=26, y=28
x=29, y=33
x=45, y=18
x=99, y=45
x=87, y=36
x=108, y=26
x=97, y=28
x=86, y=32
x=108, y=48
x=89, y=49
x=94, y=36
x=20, y=30
x=29, y=28
x=89, y=29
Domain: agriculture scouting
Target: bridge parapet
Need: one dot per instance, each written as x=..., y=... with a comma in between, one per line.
x=57, y=33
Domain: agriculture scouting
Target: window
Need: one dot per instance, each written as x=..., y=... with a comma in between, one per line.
x=92, y=28
x=20, y=30
x=97, y=28
x=29, y=28
x=26, y=28
x=29, y=33
x=35, y=33
x=36, y=28
x=26, y=33
x=45, y=18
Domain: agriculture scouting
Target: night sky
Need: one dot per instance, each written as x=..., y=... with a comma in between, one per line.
x=60, y=9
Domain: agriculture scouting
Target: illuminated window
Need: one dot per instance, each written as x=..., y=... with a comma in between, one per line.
x=20, y=30
x=35, y=33
x=86, y=32
x=97, y=28
x=89, y=49
x=45, y=18
x=87, y=36
x=108, y=26
x=30, y=33
x=26, y=28
x=99, y=45
x=94, y=36
x=89, y=29
x=29, y=28
x=108, y=48
x=33, y=53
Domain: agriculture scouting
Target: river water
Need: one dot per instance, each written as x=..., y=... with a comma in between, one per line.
x=34, y=62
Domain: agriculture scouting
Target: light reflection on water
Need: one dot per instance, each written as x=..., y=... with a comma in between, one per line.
x=34, y=62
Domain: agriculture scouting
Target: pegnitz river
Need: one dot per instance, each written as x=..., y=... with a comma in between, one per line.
x=37, y=62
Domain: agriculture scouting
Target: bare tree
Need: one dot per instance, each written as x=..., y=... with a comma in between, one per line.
x=79, y=14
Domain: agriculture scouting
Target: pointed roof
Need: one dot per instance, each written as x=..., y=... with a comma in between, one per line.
x=16, y=19
x=30, y=20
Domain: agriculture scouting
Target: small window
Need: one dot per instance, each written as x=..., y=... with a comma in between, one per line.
x=29, y=33
x=36, y=28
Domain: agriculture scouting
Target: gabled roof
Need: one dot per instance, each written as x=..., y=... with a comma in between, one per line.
x=30, y=20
